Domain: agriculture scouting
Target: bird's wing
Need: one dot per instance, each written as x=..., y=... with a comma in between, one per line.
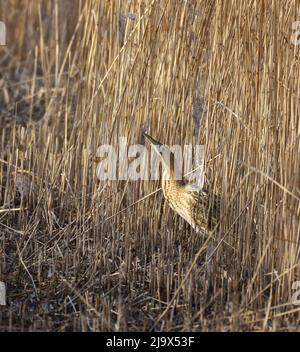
x=206, y=207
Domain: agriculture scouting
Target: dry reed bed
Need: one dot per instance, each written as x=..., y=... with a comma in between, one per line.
x=77, y=255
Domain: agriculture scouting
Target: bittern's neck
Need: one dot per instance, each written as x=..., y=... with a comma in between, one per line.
x=168, y=177
x=168, y=174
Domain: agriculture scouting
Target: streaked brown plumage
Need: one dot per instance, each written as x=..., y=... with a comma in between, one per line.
x=196, y=205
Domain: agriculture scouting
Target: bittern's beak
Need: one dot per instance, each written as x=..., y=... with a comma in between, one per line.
x=155, y=143
x=162, y=150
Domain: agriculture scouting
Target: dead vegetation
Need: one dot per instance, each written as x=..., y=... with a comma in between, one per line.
x=79, y=254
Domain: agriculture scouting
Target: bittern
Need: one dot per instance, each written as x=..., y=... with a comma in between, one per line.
x=196, y=205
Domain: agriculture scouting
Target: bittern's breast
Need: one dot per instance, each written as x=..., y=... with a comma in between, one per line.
x=179, y=200
x=194, y=207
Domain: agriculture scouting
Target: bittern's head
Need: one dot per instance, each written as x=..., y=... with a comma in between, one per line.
x=165, y=155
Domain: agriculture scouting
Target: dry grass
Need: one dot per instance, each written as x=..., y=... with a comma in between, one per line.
x=76, y=74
